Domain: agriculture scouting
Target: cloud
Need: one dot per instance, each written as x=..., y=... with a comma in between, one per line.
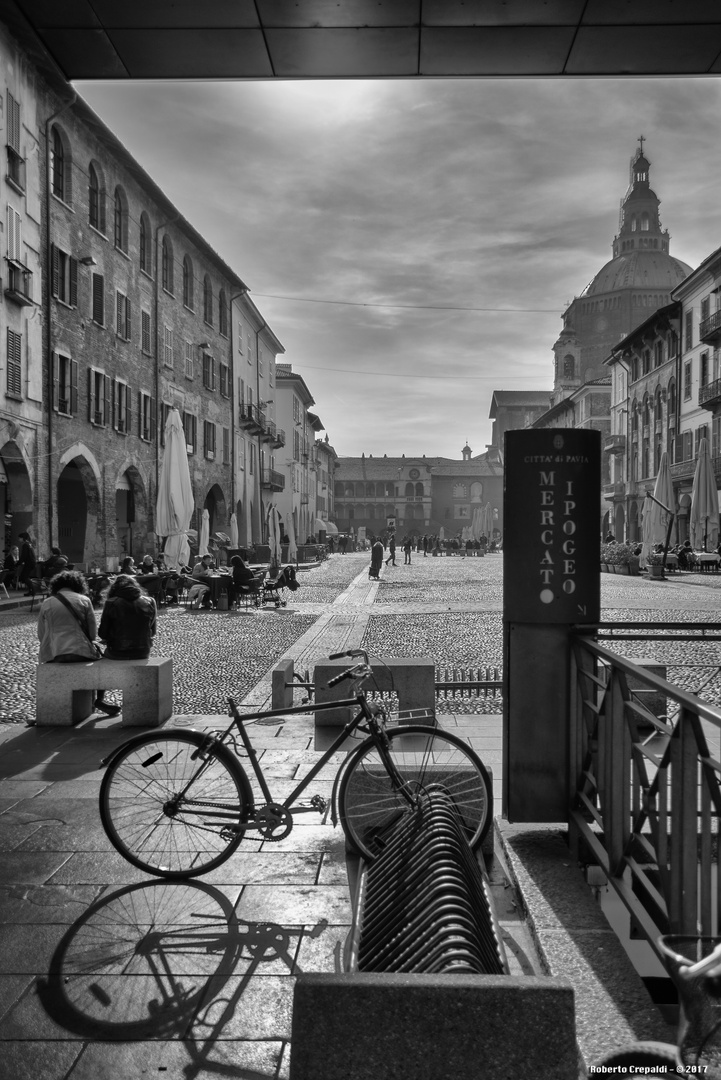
x=429, y=194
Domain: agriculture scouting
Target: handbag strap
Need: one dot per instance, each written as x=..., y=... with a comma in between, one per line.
x=74, y=613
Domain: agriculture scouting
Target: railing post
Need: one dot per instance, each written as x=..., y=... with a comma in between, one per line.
x=616, y=798
x=683, y=898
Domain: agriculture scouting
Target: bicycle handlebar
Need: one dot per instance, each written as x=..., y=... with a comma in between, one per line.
x=349, y=673
x=349, y=652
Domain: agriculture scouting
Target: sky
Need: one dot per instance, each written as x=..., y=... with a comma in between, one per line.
x=414, y=243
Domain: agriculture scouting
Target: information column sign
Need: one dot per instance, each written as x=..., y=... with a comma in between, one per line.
x=551, y=526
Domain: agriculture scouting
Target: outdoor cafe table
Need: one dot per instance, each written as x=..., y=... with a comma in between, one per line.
x=708, y=561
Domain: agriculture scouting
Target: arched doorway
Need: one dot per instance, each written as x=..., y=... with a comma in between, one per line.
x=79, y=513
x=16, y=496
x=217, y=511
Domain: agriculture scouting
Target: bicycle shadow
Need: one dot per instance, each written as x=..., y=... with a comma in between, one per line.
x=166, y=961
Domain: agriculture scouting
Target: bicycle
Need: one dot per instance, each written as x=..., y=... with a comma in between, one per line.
x=178, y=803
x=694, y=964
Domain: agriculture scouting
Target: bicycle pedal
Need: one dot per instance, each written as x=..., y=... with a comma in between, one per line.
x=319, y=803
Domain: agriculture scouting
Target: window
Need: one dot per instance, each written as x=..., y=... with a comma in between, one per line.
x=146, y=257
x=121, y=406
x=688, y=330
x=99, y=299
x=146, y=337
x=687, y=380
x=188, y=283
x=14, y=386
x=240, y=338
x=209, y=438
x=569, y=367
x=251, y=460
x=98, y=397
x=120, y=218
x=64, y=277
x=167, y=346
x=16, y=163
x=223, y=313
x=703, y=369
x=167, y=272
x=60, y=171
x=96, y=200
x=146, y=416
x=226, y=446
x=296, y=446
x=705, y=308
x=634, y=369
x=122, y=316
x=65, y=385
x=208, y=371
x=240, y=452
x=190, y=427
x=644, y=222
x=658, y=354
x=189, y=360
x=671, y=345
x=19, y=285
x=224, y=372
x=207, y=301
x=260, y=360
x=646, y=361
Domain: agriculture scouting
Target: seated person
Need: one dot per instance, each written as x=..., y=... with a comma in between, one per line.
x=12, y=563
x=149, y=577
x=199, y=592
x=171, y=581
x=67, y=628
x=686, y=555
x=28, y=564
x=127, y=565
x=128, y=622
x=55, y=563
x=243, y=579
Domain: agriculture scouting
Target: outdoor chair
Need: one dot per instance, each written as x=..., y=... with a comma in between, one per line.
x=5, y=575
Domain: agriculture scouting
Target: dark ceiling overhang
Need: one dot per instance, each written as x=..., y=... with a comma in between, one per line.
x=357, y=39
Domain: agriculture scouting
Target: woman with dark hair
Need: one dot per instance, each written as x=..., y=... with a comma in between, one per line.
x=67, y=628
x=243, y=579
x=128, y=622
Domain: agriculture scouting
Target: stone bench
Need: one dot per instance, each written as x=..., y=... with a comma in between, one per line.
x=65, y=692
x=413, y=679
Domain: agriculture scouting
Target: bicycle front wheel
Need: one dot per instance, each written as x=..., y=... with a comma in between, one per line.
x=369, y=799
x=172, y=804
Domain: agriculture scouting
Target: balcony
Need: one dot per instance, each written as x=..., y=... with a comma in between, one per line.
x=19, y=287
x=710, y=395
x=268, y=432
x=614, y=444
x=279, y=438
x=250, y=418
x=272, y=480
x=710, y=329
x=304, y=498
x=614, y=491
x=684, y=470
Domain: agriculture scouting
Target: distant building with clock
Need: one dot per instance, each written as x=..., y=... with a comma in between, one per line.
x=417, y=494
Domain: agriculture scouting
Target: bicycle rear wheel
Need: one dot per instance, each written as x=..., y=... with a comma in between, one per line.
x=171, y=803
x=369, y=802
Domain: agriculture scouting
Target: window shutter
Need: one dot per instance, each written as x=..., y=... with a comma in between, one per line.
x=106, y=403
x=73, y=387
x=73, y=282
x=141, y=433
x=119, y=313
x=55, y=263
x=145, y=331
x=113, y=406
x=128, y=408
x=56, y=383
x=91, y=395
x=127, y=318
x=99, y=299
x=13, y=122
x=14, y=383
x=14, y=235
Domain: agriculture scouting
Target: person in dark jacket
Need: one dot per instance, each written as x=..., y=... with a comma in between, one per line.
x=28, y=562
x=55, y=564
x=391, y=549
x=376, y=559
x=243, y=579
x=128, y=622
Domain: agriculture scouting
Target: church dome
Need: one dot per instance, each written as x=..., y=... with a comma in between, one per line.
x=639, y=270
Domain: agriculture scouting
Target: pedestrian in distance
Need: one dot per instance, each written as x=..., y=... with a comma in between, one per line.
x=407, y=545
x=425, y=547
x=67, y=628
x=376, y=558
x=391, y=549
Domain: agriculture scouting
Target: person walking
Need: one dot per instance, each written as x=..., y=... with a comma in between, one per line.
x=407, y=550
x=425, y=547
x=391, y=549
x=376, y=559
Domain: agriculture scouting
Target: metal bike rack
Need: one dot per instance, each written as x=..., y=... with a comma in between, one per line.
x=424, y=905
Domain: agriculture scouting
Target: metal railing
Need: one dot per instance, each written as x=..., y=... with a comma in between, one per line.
x=646, y=791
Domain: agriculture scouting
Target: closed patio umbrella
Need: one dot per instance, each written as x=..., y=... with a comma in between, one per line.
x=234, y=530
x=204, y=535
x=174, y=504
x=704, y=502
x=273, y=523
x=292, y=542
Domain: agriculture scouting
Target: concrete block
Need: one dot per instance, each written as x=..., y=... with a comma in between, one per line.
x=281, y=685
x=413, y=679
x=369, y=1026
x=65, y=692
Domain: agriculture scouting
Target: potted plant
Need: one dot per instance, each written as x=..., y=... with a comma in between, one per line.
x=654, y=561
